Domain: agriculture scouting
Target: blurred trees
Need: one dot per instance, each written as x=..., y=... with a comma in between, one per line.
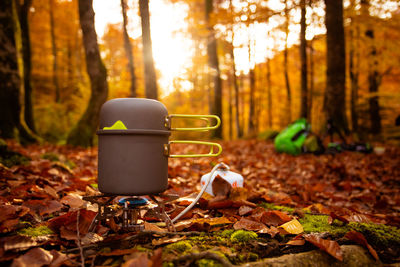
x=336, y=71
x=83, y=132
x=149, y=71
x=11, y=121
x=257, y=64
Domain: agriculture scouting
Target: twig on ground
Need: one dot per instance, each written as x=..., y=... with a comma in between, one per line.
x=206, y=254
x=78, y=241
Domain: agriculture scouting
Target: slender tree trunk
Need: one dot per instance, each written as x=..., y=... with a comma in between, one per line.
x=269, y=93
x=214, y=66
x=54, y=51
x=149, y=70
x=373, y=75
x=353, y=70
x=10, y=81
x=230, y=109
x=303, y=59
x=285, y=64
x=235, y=80
x=252, y=84
x=82, y=134
x=336, y=68
x=311, y=91
x=26, y=56
x=128, y=50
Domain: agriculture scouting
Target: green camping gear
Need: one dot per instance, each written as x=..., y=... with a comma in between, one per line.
x=292, y=138
x=134, y=151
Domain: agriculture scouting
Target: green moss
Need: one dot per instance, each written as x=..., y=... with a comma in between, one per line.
x=208, y=263
x=243, y=236
x=142, y=249
x=96, y=186
x=271, y=206
x=36, y=231
x=379, y=234
x=180, y=247
x=51, y=156
x=167, y=264
x=319, y=223
x=227, y=233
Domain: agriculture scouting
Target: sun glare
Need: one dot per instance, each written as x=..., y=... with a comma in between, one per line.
x=172, y=50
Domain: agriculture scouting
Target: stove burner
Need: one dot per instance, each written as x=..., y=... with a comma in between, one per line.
x=131, y=208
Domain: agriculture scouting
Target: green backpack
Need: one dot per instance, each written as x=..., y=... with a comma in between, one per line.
x=293, y=137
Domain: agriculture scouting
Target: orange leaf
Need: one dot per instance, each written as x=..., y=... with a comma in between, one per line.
x=329, y=246
x=360, y=239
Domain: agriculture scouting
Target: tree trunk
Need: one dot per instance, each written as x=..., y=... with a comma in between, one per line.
x=10, y=81
x=373, y=75
x=353, y=70
x=128, y=50
x=82, y=134
x=334, y=103
x=54, y=51
x=311, y=89
x=269, y=93
x=285, y=65
x=303, y=59
x=23, y=9
x=214, y=67
x=252, y=84
x=149, y=71
x=230, y=107
x=234, y=77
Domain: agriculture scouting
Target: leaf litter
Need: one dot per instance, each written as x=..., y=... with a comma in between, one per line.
x=344, y=197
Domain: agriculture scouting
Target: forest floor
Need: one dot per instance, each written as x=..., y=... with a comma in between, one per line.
x=288, y=205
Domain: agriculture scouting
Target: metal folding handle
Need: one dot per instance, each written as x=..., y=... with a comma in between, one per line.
x=210, y=154
x=168, y=122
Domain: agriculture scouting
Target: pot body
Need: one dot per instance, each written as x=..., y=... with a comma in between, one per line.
x=132, y=161
x=132, y=164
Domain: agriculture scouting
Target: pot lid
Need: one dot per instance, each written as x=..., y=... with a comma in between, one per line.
x=133, y=114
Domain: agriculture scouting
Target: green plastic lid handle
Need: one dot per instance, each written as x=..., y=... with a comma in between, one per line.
x=210, y=154
x=168, y=122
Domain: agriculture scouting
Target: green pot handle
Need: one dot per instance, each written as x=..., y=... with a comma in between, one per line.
x=210, y=154
x=168, y=122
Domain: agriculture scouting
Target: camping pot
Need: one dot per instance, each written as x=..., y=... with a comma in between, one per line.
x=134, y=145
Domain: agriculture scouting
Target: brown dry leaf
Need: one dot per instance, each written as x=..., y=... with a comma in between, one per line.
x=244, y=210
x=274, y=218
x=213, y=221
x=18, y=242
x=119, y=252
x=360, y=239
x=293, y=227
x=317, y=208
x=43, y=207
x=238, y=193
x=272, y=231
x=58, y=258
x=156, y=259
x=35, y=257
x=296, y=241
x=358, y=218
x=91, y=238
x=140, y=261
x=167, y=240
x=51, y=191
x=181, y=225
x=221, y=187
x=153, y=227
x=334, y=216
x=249, y=225
x=73, y=200
x=329, y=246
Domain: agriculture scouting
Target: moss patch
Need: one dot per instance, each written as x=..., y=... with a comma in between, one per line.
x=271, y=206
x=180, y=247
x=319, y=223
x=243, y=236
x=36, y=231
x=379, y=234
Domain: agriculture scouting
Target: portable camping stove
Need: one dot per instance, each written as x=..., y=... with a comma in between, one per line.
x=129, y=208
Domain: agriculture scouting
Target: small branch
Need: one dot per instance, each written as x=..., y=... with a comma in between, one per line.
x=78, y=242
x=206, y=254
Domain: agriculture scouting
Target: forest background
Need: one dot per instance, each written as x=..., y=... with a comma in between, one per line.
x=332, y=59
